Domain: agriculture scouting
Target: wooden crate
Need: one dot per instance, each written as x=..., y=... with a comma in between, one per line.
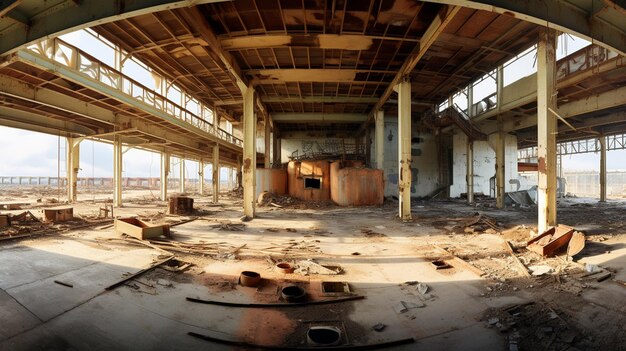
x=58, y=214
x=139, y=229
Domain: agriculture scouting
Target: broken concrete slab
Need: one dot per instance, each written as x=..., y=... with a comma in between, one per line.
x=404, y=306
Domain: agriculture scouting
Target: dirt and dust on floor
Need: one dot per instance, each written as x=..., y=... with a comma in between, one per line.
x=457, y=277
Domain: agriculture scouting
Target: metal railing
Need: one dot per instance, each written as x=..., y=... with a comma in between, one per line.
x=71, y=57
x=613, y=142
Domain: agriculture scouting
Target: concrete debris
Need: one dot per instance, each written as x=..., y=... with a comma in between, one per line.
x=306, y=267
x=404, y=306
x=165, y=283
x=540, y=270
x=422, y=288
x=379, y=327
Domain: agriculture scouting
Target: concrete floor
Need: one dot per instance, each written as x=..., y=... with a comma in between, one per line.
x=38, y=314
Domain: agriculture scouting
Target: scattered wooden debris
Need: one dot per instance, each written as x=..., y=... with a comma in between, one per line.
x=134, y=275
x=552, y=240
x=64, y=283
x=139, y=229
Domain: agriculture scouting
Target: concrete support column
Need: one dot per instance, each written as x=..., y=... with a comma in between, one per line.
x=249, y=153
x=404, y=149
x=230, y=178
x=500, y=164
x=379, y=139
x=165, y=170
x=73, y=165
x=276, y=154
x=268, y=139
x=239, y=173
x=117, y=172
x=216, y=173
x=201, y=177
x=470, y=172
x=546, y=129
x=181, y=165
x=602, y=141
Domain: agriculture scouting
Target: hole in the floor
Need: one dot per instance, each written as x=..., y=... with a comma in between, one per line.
x=324, y=336
x=312, y=183
x=293, y=293
x=440, y=264
x=335, y=287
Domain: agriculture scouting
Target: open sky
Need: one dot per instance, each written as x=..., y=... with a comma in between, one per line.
x=36, y=154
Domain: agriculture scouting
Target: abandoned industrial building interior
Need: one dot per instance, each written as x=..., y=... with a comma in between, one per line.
x=312, y=174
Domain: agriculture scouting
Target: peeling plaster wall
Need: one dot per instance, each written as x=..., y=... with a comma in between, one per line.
x=484, y=164
x=424, y=168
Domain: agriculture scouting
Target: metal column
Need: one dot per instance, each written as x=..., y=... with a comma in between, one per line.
x=602, y=141
x=546, y=129
x=500, y=164
x=380, y=139
x=117, y=171
x=249, y=153
x=165, y=170
x=216, y=173
x=470, y=172
x=201, y=177
x=404, y=149
x=268, y=131
x=181, y=165
x=73, y=165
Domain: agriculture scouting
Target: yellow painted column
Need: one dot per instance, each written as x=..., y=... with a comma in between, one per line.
x=216, y=173
x=165, y=170
x=404, y=149
x=249, y=153
x=73, y=166
x=379, y=136
x=546, y=129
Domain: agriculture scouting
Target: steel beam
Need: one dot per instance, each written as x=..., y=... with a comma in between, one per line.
x=165, y=171
x=431, y=34
x=216, y=173
x=323, y=41
x=470, y=172
x=320, y=99
x=575, y=17
x=312, y=117
x=249, y=153
x=53, y=20
x=404, y=149
x=546, y=129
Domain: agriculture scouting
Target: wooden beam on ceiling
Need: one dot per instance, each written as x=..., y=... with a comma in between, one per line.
x=7, y=6
x=318, y=117
x=310, y=75
x=436, y=27
x=321, y=99
x=322, y=41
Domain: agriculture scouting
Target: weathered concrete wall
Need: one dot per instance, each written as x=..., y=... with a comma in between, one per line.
x=425, y=166
x=484, y=164
x=271, y=180
x=306, y=144
x=298, y=171
x=352, y=186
